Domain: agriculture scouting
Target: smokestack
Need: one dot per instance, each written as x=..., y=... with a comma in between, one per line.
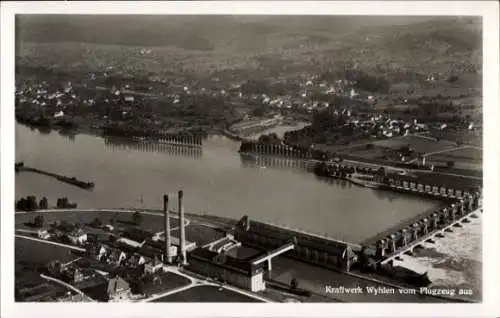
x=181, y=225
x=168, y=239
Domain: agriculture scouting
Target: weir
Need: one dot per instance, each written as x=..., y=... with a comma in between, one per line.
x=433, y=224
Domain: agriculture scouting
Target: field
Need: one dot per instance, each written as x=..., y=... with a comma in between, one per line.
x=473, y=138
x=30, y=256
x=207, y=294
x=464, y=158
x=32, y=252
x=169, y=281
x=417, y=143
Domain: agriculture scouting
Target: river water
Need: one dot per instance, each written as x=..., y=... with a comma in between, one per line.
x=215, y=182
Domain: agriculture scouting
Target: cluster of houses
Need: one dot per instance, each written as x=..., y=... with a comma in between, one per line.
x=135, y=252
x=75, y=236
x=57, y=101
x=142, y=259
x=384, y=126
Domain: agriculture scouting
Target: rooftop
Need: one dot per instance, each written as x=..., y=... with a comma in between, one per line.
x=225, y=261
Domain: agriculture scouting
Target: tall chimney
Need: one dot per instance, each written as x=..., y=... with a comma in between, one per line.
x=182, y=241
x=168, y=239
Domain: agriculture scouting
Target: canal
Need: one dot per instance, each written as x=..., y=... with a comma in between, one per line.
x=215, y=181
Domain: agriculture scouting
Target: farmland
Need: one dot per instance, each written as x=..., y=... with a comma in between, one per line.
x=417, y=143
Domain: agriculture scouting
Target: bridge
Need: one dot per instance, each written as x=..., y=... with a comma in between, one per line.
x=273, y=253
x=354, y=246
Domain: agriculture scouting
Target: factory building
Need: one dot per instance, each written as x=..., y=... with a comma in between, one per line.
x=240, y=273
x=309, y=248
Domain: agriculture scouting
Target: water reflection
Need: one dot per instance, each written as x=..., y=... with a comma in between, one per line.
x=43, y=130
x=272, y=162
x=119, y=144
x=344, y=184
x=67, y=134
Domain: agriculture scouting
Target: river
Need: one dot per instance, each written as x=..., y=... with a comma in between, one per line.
x=215, y=182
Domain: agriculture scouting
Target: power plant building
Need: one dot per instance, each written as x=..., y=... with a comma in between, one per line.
x=309, y=248
x=237, y=272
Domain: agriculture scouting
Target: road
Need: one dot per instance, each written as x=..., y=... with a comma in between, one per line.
x=60, y=282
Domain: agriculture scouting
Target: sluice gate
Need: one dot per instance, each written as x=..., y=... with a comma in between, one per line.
x=390, y=244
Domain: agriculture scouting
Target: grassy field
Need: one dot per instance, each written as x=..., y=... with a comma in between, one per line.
x=460, y=154
x=27, y=251
x=467, y=158
x=169, y=281
x=466, y=137
x=207, y=294
x=30, y=256
x=418, y=143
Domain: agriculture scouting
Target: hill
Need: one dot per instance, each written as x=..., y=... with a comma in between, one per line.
x=269, y=46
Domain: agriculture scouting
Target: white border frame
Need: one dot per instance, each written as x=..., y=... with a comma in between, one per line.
x=487, y=9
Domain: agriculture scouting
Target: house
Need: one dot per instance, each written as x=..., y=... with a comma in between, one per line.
x=59, y=114
x=135, y=260
x=154, y=266
x=118, y=289
x=43, y=234
x=116, y=256
x=73, y=275
x=78, y=237
x=109, y=227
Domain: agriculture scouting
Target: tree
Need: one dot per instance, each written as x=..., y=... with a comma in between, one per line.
x=294, y=283
x=137, y=218
x=39, y=221
x=44, y=204
x=32, y=204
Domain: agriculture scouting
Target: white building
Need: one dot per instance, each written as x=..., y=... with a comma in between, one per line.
x=59, y=114
x=43, y=234
x=78, y=237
